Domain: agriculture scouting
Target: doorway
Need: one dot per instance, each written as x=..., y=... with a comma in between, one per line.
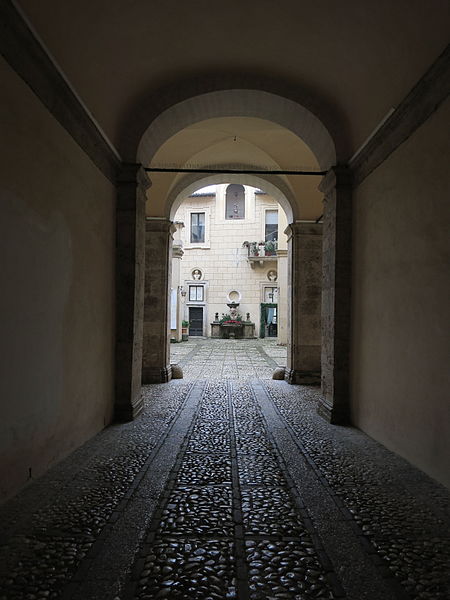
x=268, y=323
x=195, y=320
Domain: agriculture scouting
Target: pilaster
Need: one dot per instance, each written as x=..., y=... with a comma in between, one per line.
x=304, y=303
x=177, y=255
x=158, y=251
x=336, y=294
x=282, y=312
x=132, y=184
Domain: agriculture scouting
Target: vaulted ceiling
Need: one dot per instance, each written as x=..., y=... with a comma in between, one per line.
x=351, y=61
x=361, y=55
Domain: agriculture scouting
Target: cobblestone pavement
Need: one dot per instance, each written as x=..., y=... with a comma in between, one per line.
x=206, y=358
x=228, y=487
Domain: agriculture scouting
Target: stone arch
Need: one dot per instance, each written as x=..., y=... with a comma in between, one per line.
x=302, y=262
x=165, y=116
x=275, y=185
x=239, y=103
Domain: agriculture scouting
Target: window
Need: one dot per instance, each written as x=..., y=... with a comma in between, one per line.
x=235, y=202
x=196, y=293
x=197, y=228
x=271, y=226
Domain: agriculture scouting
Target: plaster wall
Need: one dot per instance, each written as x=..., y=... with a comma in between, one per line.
x=57, y=280
x=223, y=261
x=401, y=311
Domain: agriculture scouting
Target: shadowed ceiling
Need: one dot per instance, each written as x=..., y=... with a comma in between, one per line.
x=359, y=56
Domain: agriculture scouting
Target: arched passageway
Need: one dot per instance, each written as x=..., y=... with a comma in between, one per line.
x=274, y=131
x=301, y=259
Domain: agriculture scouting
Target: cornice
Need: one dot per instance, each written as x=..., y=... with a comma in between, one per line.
x=26, y=55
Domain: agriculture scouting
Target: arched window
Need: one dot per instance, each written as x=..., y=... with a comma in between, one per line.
x=235, y=202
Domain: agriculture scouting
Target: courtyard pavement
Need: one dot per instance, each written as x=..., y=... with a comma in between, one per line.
x=228, y=486
x=228, y=359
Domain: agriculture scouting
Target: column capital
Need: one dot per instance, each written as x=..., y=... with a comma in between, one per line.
x=337, y=177
x=303, y=228
x=160, y=225
x=133, y=174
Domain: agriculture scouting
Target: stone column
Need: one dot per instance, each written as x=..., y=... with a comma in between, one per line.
x=158, y=257
x=336, y=294
x=304, y=303
x=132, y=183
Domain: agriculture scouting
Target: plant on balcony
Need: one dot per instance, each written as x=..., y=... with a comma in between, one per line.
x=270, y=247
x=254, y=249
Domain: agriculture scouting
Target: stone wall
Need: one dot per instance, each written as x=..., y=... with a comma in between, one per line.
x=57, y=278
x=401, y=311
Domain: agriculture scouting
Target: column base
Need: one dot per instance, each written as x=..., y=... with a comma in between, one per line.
x=298, y=377
x=156, y=374
x=336, y=414
x=128, y=412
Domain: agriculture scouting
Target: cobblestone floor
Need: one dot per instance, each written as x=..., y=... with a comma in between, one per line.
x=206, y=358
x=229, y=486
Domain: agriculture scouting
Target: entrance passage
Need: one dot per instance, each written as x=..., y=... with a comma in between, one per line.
x=195, y=320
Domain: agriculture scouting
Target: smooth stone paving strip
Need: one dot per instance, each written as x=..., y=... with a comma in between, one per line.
x=43, y=544
x=404, y=515
x=229, y=525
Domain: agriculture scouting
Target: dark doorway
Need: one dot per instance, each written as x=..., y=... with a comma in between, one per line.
x=195, y=320
x=268, y=320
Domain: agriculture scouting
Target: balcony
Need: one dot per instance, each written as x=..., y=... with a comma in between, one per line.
x=261, y=252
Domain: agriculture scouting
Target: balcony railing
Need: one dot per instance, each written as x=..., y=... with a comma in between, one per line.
x=261, y=251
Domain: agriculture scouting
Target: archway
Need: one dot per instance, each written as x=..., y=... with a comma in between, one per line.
x=300, y=263
x=305, y=126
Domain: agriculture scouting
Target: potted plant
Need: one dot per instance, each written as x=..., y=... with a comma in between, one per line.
x=270, y=248
x=184, y=330
x=254, y=249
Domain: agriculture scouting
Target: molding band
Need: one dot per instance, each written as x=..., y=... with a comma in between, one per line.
x=424, y=98
x=26, y=55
